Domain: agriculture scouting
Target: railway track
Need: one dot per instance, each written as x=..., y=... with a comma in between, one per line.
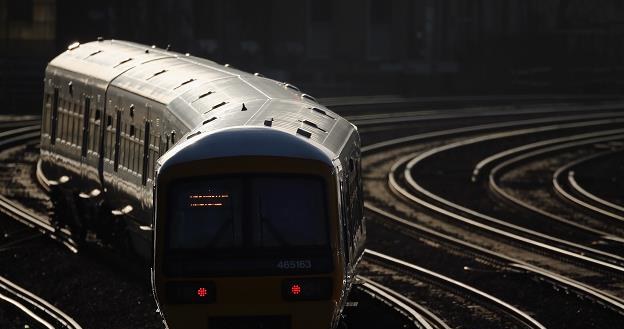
x=512, y=316
x=35, y=225
x=44, y=314
x=482, y=260
x=544, y=149
x=33, y=311
x=377, y=154
x=415, y=192
x=536, y=239
x=566, y=186
x=20, y=136
x=420, y=314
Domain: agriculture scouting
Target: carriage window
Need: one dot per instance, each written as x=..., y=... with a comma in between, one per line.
x=146, y=147
x=54, y=120
x=85, y=125
x=78, y=123
x=95, y=131
x=110, y=137
x=117, y=139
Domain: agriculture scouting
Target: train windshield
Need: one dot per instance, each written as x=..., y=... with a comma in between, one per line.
x=264, y=219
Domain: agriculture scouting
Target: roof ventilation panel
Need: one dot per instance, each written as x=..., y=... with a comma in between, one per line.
x=323, y=112
x=193, y=135
x=209, y=120
x=308, y=97
x=304, y=133
x=312, y=124
x=291, y=87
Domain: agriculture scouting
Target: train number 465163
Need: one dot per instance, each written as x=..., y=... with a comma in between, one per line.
x=294, y=264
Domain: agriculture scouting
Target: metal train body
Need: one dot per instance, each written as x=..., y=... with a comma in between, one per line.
x=246, y=193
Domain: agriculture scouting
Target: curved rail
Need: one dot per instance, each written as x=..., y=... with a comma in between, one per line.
x=581, y=289
x=364, y=120
x=509, y=309
x=485, y=127
x=530, y=242
x=601, y=206
x=582, y=140
x=579, y=250
x=403, y=304
x=19, y=212
x=35, y=307
x=487, y=255
x=424, y=316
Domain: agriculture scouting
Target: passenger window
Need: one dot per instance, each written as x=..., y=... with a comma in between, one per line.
x=54, y=120
x=117, y=139
x=146, y=144
x=47, y=108
x=96, y=132
x=85, y=125
x=77, y=135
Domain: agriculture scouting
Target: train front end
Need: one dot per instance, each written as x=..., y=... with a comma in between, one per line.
x=246, y=233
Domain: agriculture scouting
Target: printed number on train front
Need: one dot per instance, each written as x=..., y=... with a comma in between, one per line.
x=294, y=264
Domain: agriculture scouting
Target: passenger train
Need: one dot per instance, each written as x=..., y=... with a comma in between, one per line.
x=245, y=193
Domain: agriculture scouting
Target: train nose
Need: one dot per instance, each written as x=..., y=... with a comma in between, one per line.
x=248, y=303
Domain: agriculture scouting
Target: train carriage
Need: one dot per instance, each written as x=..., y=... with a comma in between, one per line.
x=244, y=192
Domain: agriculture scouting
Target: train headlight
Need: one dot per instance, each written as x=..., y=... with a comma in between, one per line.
x=307, y=289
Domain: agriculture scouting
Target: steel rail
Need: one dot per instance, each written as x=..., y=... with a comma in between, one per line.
x=581, y=289
x=431, y=319
x=497, y=171
x=546, y=146
x=417, y=158
x=44, y=308
x=428, y=115
x=397, y=300
x=19, y=212
x=484, y=127
x=467, y=289
x=529, y=242
x=602, y=207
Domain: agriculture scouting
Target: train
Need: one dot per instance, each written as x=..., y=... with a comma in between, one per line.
x=243, y=193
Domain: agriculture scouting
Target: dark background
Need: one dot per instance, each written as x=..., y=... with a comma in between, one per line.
x=341, y=47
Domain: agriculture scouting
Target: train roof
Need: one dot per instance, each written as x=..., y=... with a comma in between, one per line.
x=204, y=95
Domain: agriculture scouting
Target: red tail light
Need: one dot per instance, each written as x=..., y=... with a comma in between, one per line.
x=190, y=292
x=202, y=292
x=295, y=289
x=307, y=289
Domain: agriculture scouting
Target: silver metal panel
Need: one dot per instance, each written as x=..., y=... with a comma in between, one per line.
x=264, y=99
x=102, y=61
x=244, y=141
